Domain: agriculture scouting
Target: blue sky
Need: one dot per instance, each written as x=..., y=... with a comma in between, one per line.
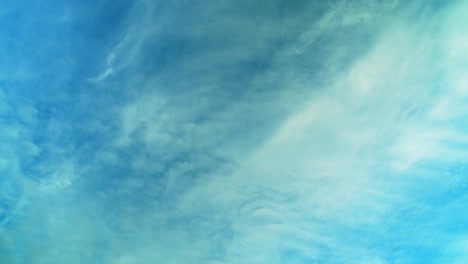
x=233, y=131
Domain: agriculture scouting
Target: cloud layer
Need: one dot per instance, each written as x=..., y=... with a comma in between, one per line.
x=233, y=132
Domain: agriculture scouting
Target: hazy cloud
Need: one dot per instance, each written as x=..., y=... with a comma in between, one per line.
x=234, y=132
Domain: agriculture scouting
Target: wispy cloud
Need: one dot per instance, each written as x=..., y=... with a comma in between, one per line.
x=242, y=132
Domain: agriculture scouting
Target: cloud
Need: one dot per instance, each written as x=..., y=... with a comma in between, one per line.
x=347, y=166
x=231, y=132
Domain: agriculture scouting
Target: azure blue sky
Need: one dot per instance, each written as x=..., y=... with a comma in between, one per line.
x=277, y=131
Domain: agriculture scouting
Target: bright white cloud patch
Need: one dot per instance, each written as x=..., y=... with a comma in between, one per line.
x=234, y=132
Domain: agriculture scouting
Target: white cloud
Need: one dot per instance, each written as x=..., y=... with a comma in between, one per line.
x=62, y=178
x=211, y=163
x=337, y=166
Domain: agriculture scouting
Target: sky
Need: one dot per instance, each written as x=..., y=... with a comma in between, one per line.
x=242, y=131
